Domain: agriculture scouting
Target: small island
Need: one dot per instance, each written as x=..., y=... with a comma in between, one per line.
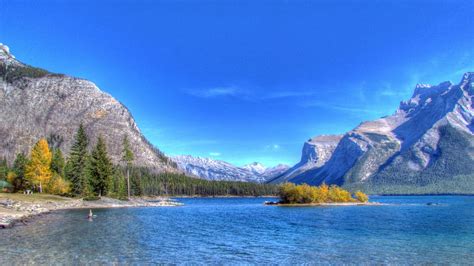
x=306, y=195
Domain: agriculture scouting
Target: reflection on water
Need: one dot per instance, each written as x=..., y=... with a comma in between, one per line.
x=242, y=230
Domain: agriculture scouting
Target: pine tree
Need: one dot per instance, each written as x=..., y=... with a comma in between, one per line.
x=3, y=169
x=100, y=168
x=38, y=169
x=127, y=158
x=58, y=163
x=75, y=169
x=19, y=168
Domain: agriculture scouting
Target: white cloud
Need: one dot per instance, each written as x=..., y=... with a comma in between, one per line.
x=215, y=154
x=272, y=147
x=214, y=92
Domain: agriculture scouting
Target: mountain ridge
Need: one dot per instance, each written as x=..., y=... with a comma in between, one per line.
x=35, y=103
x=412, y=138
x=211, y=169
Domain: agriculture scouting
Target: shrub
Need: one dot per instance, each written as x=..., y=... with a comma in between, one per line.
x=361, y=196
x=291, y=193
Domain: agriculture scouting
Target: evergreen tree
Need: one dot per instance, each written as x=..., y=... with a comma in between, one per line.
x=118, y=186
x=3, y=169
x=75, y=169
x=100, y=168
x=58, y=163
x=38, y=169
x=127, y=158
x=136, y=185
x=19, y=168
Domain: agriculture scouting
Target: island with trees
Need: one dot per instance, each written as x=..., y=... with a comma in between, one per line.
x=305, y=195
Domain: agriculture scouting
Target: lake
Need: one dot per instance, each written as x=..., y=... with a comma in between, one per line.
x=244, y=231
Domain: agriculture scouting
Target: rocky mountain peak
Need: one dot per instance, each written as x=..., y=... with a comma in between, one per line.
x=467, y=79
x=416, y=145
x=4, y=49
x=5, y=56
x=35, y=103
x=255, y=167
x=210, y=169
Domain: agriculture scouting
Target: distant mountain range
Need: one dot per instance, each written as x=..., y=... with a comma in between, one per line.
x=426, y=146
x=219, y=170
x=35, y=103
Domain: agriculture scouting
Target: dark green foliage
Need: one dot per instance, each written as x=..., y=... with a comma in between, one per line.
x=75, y=170
x=127, y=158
x=127, y=154
x=118, y=184
x=100, y=169
x=3, y=169
x=58, y=163
x=172, y=184
x=19, y=166
x=12, y=73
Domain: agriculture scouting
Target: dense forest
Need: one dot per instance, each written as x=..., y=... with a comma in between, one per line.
x=88, y=172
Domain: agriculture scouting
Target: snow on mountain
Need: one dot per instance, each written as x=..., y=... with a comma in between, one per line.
x=210, y=169
x=426, y=146
x=256, y=168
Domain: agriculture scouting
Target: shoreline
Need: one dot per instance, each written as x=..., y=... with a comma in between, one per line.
x=19, y=208
x=221, y=196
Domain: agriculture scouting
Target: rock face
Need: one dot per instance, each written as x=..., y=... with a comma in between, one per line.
x=35, y=103
x=316, y=152
x=209, y=169
x=426, y=146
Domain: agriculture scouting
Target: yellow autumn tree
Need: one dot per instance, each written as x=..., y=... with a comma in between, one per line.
x=337, y=194
x=38, y=170
x=323, y=193
x=361, y=196
x=58, y=185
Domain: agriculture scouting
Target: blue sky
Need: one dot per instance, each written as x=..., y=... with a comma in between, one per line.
x=246, y=81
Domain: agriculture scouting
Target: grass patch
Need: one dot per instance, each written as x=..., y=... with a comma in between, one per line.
x=32, y=198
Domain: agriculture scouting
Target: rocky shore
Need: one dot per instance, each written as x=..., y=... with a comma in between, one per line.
x=16, y=208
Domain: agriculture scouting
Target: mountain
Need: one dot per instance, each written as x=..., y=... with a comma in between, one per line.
x=256, y=168
x=209, y=169
x=35, y=103
x=426, y=146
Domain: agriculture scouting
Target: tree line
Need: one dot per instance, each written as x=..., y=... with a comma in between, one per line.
x=89, y=172
x=84, y=173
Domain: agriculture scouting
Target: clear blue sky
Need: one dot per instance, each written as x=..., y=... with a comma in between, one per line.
x=246, y=81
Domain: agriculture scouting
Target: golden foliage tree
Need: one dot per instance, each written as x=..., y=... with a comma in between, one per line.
x=361, y=196
x=38, y=169
x=59, y=185
x=301, y=194
x=324, y=192
x=337, y=194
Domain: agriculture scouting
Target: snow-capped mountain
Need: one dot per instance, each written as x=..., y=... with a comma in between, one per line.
x=256, y=168
x=210, y=169
x=426, y=146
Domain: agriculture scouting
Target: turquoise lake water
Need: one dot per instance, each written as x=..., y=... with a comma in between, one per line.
x=243, y=231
